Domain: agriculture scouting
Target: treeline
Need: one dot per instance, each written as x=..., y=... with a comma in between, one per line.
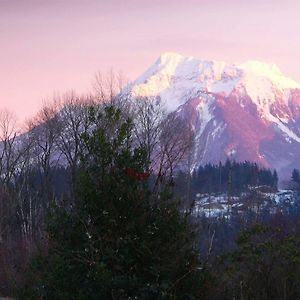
x=294, y=184
x=90, y=209
x=253, y=254
x=231, y=177
x=39, y=165
x=115, y=238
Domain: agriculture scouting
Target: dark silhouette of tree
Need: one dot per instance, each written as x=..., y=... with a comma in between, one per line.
x=231, y=177
x=264, y=266
x=118, y=240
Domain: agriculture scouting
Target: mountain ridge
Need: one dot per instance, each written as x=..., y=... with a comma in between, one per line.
x=249, y=111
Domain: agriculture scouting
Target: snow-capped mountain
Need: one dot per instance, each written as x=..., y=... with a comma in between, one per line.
x=249, y=111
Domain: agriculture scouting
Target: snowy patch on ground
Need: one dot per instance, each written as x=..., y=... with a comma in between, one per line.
x=220, y=205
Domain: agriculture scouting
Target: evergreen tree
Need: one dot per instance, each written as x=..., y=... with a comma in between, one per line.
x=296, y=180
x=231, y=177
x=117, y=240
x=265, y=265
x=275, y=179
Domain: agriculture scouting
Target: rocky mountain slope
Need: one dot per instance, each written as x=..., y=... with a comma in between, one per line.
x=249, y=111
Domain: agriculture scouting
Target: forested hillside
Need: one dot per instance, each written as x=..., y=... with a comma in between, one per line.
x=232, y=177
x=98, y=200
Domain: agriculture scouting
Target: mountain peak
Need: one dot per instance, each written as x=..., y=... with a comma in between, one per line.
x=172, y=62
x=271, y=71
x=260, y=66
x=167, y=56
x=249, y=109
x=175, y=77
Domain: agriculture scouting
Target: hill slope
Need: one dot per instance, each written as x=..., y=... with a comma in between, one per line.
x=249, y=111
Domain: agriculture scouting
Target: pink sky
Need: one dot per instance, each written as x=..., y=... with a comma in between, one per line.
x=50, y=46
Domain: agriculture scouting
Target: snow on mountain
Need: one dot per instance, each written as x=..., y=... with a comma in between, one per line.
x=243, y=111
x=175, y=78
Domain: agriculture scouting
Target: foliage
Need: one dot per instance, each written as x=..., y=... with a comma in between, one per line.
x=295, y=182
x=232, y=177
x=117, y=240
x=266, y=265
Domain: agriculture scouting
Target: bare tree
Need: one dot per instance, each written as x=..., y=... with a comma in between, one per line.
x=9, y=152
x=176, y=140
x=148, y=115
x=168, y=138
x=73, y=121
x=43, y=131
x=15, y=162
x=108, y=85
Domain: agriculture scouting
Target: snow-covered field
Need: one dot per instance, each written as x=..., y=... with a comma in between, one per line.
x=222, y=204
